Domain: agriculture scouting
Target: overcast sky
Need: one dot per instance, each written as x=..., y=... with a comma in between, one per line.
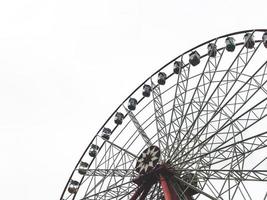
x=66, y=65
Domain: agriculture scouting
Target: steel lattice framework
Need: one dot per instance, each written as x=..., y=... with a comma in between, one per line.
x=205, y=111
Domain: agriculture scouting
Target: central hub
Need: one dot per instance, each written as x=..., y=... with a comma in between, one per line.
x=148, y=160
x=151, y=171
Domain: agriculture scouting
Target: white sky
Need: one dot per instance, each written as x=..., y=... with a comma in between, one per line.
x=66, y=65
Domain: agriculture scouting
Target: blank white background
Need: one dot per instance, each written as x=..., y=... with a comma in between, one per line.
x=66, y=65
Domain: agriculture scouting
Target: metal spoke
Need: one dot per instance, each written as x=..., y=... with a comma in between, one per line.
x=231, y=174
x=199, y=96
x=179, y=103
x=122, y=149
x=159, y=116
x=235, y=123
x=108, y=190
x=219, y=155
x=196, y=189
x=227, y=89
x=111, y=172
x=139, y=128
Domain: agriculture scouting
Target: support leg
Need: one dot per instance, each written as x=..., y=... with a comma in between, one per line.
x=137, y=193
x=168, y=191
x=145, y=192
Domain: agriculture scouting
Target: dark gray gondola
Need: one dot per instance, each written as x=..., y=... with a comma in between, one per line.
x=230, y=44
x=83, y=168
x=93, y=150
x=146, y=90
x=177, y=67
x=212, y=50
x=132, y=104
x=264, y=39
x=194, y=58
x=118, y=118
x=162, y=78
x=106, y=132
x=73, y=187
x=249, y=40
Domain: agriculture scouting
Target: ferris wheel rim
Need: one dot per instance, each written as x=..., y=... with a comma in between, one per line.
x=131, y=94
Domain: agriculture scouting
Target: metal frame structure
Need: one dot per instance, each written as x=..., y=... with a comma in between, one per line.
x=208, y=120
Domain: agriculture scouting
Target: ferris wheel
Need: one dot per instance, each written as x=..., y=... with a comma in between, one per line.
x=195, y=129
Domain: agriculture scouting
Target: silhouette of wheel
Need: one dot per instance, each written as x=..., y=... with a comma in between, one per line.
x=195, y=129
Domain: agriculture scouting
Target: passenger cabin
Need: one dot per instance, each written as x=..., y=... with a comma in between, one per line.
x=83, y=168
x=212, y=50
x=162, y=78
x=106, y=132
x=194, y=58
x=230, y=44
x=249, y=40
x=73, y=187
x=264, y=39
x=177, y=67
x=132, y=104
x=146, y=90
x=118, y=118
x=93, y=150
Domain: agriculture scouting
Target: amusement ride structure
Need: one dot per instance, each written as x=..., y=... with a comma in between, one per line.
x=195, y=129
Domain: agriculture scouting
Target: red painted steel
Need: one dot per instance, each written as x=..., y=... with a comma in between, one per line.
x=174, y=194
x=169, y=193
